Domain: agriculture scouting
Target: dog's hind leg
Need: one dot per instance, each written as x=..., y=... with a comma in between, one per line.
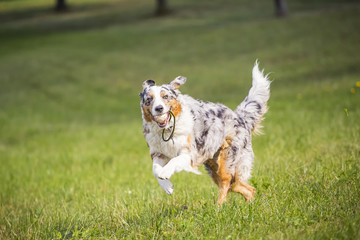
x=243, y=188
x=219, y=172
x=224, y=177
x=242, y=173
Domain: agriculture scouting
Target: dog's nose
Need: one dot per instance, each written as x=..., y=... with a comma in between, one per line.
x=159, y=109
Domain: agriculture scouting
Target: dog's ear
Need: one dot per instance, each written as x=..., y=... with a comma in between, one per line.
x=141, y=95
x=148, y=83
x=177, y=82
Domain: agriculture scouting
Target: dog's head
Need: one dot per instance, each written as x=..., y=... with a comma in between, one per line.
x=158, y=101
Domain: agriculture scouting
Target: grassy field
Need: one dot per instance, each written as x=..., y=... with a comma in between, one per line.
x=74, y=163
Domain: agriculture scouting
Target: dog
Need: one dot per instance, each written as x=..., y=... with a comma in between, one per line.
x=183, y=133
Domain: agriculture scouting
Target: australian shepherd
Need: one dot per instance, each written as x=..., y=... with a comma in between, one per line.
x=183, y=133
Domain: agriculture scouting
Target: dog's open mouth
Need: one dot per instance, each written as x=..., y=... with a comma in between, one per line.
x=162, y=119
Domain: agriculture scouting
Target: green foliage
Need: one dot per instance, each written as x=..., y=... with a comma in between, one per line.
x=73, y=161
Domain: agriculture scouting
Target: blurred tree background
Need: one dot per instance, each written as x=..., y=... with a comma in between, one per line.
x=61, y=5
x=162, y=7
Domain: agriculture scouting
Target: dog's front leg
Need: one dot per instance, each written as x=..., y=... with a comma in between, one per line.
x=165, y=184
x=177, y=164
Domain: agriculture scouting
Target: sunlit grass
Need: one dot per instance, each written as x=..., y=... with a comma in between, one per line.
x=74, y=163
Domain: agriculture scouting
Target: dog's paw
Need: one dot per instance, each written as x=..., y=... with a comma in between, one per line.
x=166, y=185
x=165, y=173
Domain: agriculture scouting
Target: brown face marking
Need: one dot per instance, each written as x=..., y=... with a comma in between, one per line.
x=147, y=109
x=165, y=97
x=162, y=94
x=171, y=102
x=175, y=107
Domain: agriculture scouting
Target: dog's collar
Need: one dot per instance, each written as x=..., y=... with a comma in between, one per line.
x=173, y=129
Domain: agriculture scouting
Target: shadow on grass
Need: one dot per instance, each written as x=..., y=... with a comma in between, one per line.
x=81, y=17
x=44, y=19
x=92, y=16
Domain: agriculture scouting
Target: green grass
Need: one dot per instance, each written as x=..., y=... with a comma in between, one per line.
x=73, y=161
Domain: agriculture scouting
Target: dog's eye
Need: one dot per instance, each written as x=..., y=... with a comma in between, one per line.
x=148, y=101
x=165, y=97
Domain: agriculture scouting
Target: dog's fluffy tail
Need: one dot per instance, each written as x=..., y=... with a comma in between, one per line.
x=253, y=108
